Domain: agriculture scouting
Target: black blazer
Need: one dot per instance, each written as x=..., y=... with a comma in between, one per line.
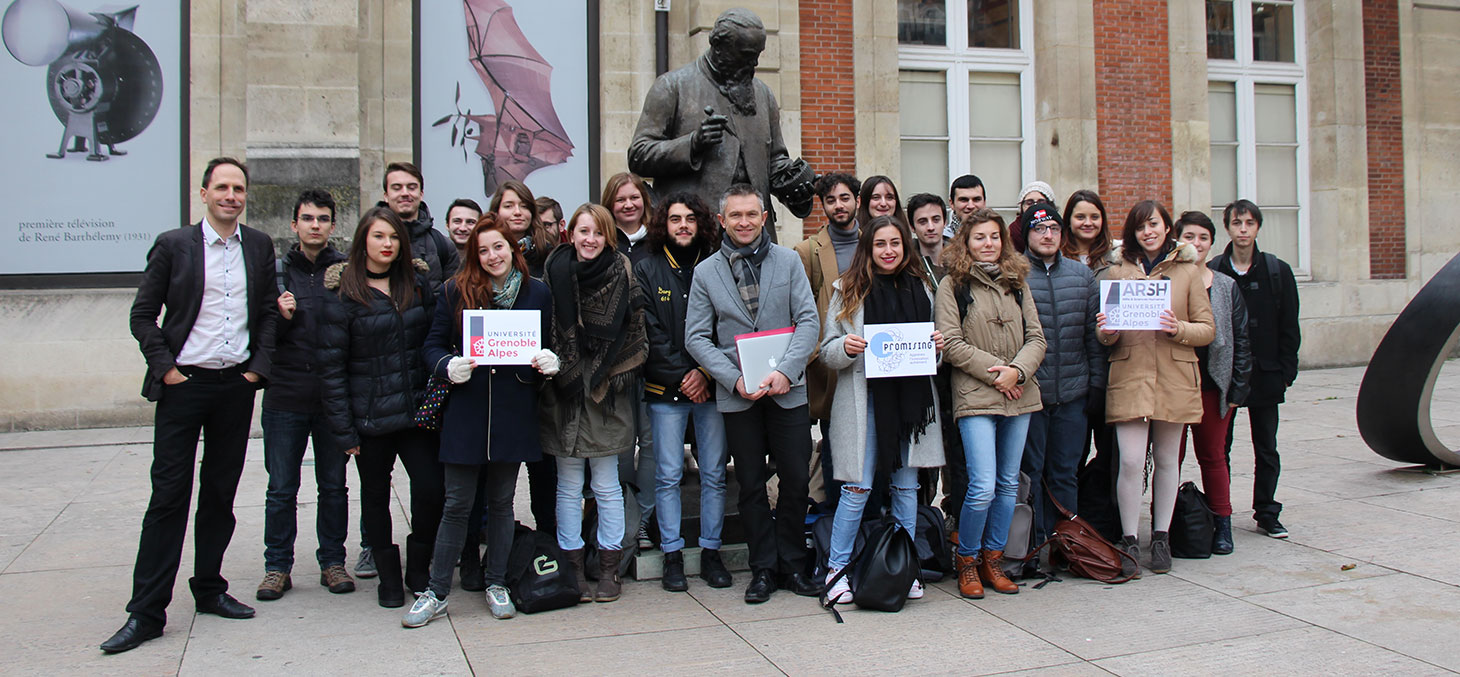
x=174, y=279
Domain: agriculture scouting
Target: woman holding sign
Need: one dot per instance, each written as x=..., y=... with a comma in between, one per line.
x=995, y=342
x=1154, y=387
x=372, y=375
x=487, y=426
x=597, y=328
x=879, y=426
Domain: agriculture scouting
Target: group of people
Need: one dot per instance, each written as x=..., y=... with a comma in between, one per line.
x=641, y=298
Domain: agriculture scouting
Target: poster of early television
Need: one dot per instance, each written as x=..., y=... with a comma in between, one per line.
x=93, y=145
x=505, y=93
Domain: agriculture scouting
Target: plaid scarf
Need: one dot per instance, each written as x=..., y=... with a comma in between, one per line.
x=745, y=267
x=597, y=327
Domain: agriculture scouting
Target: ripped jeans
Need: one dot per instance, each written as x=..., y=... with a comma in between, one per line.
x=848, y=519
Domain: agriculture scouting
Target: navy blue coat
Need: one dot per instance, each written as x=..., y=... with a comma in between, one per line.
x=493, y=416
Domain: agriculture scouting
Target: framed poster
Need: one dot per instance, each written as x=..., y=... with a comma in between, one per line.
x=95, y=141
x=507, y=89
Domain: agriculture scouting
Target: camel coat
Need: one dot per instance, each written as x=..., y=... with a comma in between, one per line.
x=997, y=331
x=1153, y=375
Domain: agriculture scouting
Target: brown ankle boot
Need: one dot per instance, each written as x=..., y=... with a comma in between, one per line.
x=609, y=585
x=968, y=583
x=991, y=571
x=585, y=591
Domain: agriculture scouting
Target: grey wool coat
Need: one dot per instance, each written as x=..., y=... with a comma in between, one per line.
x=717, y=315
x=848, y=429
x=1229, y=355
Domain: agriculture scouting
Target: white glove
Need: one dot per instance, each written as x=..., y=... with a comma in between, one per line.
x=459, y=369
x=546, y=362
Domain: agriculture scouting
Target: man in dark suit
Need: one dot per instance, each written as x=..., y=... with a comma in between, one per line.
x=216, y=280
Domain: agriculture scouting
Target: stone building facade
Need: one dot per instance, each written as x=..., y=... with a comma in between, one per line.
x=1344, y=115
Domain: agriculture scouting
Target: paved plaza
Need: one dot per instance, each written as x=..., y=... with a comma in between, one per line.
x=1368, y=583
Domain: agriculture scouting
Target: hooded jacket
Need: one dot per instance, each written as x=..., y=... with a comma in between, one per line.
x=998, y=329
x=1154, y=375
x=294, y=382
x=371, y=369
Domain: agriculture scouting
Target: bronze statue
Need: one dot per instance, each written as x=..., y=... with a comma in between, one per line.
x=712, y=124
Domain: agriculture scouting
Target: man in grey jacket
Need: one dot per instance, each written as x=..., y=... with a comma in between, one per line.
x=1067, y=296
x=753, y=285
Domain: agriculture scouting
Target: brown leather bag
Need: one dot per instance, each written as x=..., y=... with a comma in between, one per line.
x=1086, y=552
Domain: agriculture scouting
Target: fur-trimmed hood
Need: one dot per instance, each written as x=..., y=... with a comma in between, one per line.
x=1185, y=253
x=332, y=274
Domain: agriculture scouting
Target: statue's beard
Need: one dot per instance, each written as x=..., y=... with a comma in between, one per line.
x=736, y=82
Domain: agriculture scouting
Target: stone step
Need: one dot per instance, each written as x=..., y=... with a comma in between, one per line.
x=649, y=564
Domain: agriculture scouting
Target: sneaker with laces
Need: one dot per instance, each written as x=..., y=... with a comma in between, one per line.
x=645, y=543
x=499, y=602
x=916, y=591
x=1272, y=527
x=275, y=584
x=336, y=579
x=365, y=566
x=426, y=609
x=841, y=591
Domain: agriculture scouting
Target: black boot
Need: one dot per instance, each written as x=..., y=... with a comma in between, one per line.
x=418, y=566
x=472, y=579
x=674, y=580
x=387, y=563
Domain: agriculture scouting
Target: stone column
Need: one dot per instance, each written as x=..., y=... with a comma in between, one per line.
x=1191, y=137
x=1065, y=148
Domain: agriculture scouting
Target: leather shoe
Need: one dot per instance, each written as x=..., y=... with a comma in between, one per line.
x=802, y=585
x=761, y=587
x=223, y=604
x=131, y=636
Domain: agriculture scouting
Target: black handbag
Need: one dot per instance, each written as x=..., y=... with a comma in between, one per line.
x=1192, y=524
x=882, y=572
x=539, y=577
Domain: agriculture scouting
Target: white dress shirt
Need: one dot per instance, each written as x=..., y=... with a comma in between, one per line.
x=219, y=338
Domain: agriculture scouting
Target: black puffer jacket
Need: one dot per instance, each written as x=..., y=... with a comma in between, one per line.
x=294, y=383
x=371, y=369
x=1068, y=299
x=666, y=295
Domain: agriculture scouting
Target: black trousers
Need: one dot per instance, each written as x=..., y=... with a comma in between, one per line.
x=418, y=451
x=1267, y=464
x=219, y=404
x=784, y=435
x=542, y=491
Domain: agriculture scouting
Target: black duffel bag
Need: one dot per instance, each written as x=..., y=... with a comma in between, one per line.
x=539, y=577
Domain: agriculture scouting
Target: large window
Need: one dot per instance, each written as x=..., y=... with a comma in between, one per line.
x=1259, y=118
x=966, y=95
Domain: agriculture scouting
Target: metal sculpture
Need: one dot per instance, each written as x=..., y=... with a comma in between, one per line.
x=104, y=82
x=1394, y=398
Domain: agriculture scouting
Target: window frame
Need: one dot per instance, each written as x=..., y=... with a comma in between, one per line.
x=1245, y=74
x=956, y=60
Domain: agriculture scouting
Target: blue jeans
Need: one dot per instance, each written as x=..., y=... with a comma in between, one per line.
x=993, y=446
x=669, y=420
x=848, y=519
x=285, y=435
x=603, y=472
x=1052, y=459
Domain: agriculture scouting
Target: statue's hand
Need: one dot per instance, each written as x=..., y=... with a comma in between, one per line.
x=710, y=133
x=801, y=192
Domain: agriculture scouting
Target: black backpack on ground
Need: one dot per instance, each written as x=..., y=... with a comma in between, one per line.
x=1097, y=504
x=1191, y=524
x=931, y=540
x=539, y=577
x=882, y=569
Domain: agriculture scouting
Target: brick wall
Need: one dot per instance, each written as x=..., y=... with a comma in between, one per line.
x=828, y=122
x=1384, y=116
x=1133, y=104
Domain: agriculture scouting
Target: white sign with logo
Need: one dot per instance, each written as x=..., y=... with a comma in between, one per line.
x=903, y=349
x=501, y=336
x=1134, y=304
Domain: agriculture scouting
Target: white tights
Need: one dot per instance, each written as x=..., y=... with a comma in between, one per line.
x=1165, y=439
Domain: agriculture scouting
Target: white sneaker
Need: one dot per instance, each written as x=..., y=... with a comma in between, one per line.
x=426, y=609
x=916, y=591
x=499, y=602
x=841, y=592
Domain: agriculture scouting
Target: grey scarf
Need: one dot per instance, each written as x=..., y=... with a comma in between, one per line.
x=745, y=267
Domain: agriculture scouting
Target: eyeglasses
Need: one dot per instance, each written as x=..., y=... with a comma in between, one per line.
x=1042, y=228
x=310, y=218
x=1025, y=204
